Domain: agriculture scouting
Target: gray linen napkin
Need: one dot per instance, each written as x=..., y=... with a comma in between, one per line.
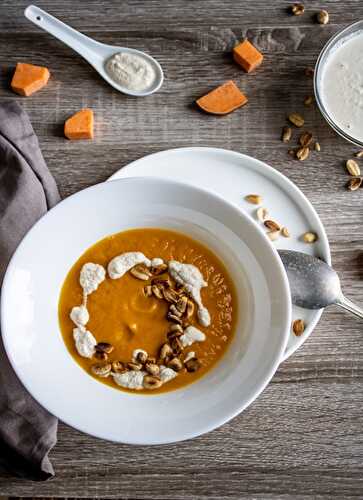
x=27, y=191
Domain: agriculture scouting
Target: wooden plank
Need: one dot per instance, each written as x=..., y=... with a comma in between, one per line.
x=298, y=438
x=163, y=16
x=303, y=437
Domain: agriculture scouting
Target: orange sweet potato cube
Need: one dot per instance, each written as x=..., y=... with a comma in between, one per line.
x=223, y=99
x=247, y=56
x=80, y=125
x=28, y=78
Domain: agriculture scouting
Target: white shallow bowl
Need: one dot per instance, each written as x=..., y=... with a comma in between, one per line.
x=35, y=347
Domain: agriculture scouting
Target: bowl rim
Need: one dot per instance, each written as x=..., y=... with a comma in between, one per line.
x=214, y=423
x=318, y=71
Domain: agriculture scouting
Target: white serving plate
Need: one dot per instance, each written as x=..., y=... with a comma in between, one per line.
x=29, y=306
x=233, y=175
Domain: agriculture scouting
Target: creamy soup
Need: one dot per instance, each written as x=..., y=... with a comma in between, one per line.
x=147, y=310
x=342, y=85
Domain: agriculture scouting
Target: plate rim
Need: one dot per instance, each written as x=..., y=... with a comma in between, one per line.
x=262, y=167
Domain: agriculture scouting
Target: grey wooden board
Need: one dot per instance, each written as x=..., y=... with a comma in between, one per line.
x=304, y=436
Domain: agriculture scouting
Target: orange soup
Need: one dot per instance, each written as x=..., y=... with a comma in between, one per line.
x=148, y=327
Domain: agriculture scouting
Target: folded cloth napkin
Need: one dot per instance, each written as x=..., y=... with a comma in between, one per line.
x=27, y=191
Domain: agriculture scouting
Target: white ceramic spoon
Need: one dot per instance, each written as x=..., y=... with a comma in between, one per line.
x=94, y=52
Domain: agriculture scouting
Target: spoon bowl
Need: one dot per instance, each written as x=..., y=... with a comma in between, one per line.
x=313, y=283
x=95, y=53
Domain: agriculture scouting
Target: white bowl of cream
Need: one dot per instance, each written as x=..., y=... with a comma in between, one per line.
x=338, y=83
x=35, y=347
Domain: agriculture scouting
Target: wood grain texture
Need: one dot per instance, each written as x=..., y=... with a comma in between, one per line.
x=303, y=438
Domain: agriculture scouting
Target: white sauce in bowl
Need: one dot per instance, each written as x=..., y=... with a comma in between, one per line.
x=121, y=264
x=191, y=278
x=341, y=86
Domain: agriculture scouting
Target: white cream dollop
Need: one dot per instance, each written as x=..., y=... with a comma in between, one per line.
x=166, y=374
x=130, y=380
x=203, y=315
x=79, y=315
x=156, y=261
x=91, y=277
x=85, y=342
x=121, y=264
x=191, y=278
x=191, y=335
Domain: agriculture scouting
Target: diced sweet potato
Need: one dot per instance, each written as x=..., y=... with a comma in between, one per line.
x=223, y=99
x=80, y=125
x=247, y=56
x=28, y=78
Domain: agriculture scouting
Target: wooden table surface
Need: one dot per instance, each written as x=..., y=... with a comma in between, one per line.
x=303, y=437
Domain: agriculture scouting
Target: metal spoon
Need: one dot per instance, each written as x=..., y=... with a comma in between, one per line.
x=94, y=52
x=314, y=284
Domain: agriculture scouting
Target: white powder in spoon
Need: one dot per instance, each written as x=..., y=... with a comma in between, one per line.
x=131, y=71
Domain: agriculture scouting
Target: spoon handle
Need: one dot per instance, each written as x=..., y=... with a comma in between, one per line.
x=85, y=46
x=350, y=306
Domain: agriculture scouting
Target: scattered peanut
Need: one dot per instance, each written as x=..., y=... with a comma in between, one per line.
x=298, y=327
x=141, y=357
x=297, y=9
x=322, y=17
x=175, y=364
x=296, y=119
x=104, y=347
x=134, y=366
x=309, y=237
x=101, y=370
x=308, y=101
x=118, y=366
x=353, y=167
x=141, y=272
x=286, y=134
x=302, y=153
x=192, y=365
x=305, y=138
x=152, y=368
x=255, y=199
x=151, y=382
x=102, y=356
x=272, y=225
x=190, y=309
x=165, y=351
x=354, y=183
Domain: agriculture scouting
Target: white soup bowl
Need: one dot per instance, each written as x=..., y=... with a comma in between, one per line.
x=34, y=344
